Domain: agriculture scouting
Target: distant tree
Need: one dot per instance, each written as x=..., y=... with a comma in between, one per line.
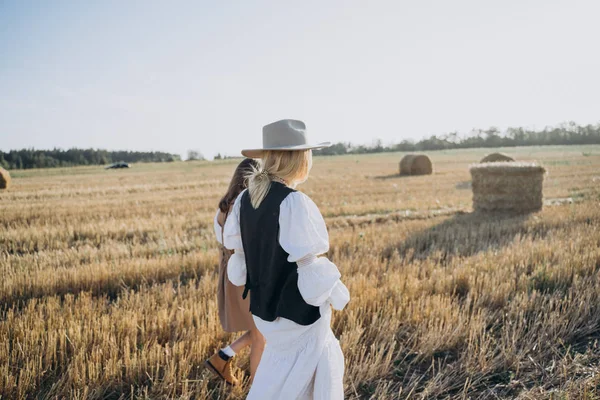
x=336, y=149
x=194, y=155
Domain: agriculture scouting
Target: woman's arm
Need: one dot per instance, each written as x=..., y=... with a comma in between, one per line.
x=232, y=240
x=303, y=235
x=218, y=226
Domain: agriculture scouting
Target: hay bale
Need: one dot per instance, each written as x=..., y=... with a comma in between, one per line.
x=507, y=186
x=415, y=164
x=496, y=157
x=4, y=178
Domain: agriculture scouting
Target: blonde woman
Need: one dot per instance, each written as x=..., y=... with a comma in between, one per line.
x=277, y=235
x=234, y=311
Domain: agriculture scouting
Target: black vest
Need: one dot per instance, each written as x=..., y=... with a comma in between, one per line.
x=271, y=279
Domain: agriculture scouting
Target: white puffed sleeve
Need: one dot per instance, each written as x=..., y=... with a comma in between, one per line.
x=303, y=235
x=302, y=230
x=232, y=240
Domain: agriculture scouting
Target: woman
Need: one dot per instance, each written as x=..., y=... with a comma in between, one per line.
x=277, y=235
x=233, y=310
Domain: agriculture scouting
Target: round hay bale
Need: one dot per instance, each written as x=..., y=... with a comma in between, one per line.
x=496, y=157
x=507, y=186
x=4, y=178
x=415, y=164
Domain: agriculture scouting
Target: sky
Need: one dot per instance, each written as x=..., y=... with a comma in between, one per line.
x=179, y=75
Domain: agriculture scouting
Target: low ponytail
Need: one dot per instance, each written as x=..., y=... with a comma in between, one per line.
x=291, y=166
x=259, y=184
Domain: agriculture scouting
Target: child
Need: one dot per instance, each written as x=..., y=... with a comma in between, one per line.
x=234, y=311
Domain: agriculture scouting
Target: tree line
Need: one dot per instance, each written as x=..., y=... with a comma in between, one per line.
x=564, y=134
x=30, y=158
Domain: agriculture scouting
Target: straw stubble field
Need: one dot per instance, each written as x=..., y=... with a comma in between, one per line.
x=109, y=281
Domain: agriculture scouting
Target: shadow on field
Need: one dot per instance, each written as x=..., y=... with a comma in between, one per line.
x=464, y=234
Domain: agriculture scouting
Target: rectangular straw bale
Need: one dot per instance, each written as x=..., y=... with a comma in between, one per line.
x=508, y=186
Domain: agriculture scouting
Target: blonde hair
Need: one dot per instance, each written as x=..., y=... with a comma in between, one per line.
x=291, y=166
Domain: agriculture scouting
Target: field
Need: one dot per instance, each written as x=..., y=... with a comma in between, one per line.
x=109, y=281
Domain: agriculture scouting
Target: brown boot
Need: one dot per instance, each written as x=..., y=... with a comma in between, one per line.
x=220, y=365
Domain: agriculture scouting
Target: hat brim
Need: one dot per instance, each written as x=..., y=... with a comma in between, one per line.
x=258, y=153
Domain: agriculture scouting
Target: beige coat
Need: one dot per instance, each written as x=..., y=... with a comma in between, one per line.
x=234, y=312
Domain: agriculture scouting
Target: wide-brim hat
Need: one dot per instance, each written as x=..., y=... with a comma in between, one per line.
x=284, y=135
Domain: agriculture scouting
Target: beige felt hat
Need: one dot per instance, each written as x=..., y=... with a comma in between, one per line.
x=286, y=135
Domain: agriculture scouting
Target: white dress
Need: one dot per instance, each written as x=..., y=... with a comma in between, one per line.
x=299, y=362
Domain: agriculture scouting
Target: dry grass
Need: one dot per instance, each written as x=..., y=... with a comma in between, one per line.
x=109, y=281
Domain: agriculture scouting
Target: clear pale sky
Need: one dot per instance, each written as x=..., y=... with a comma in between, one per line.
x=179, y=75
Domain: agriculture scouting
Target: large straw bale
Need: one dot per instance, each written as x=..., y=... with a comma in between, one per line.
x=496, y=157
x=507, y=186
x=4, y=178
x=415, y=164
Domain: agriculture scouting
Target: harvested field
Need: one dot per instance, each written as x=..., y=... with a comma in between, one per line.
x=109, y=281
